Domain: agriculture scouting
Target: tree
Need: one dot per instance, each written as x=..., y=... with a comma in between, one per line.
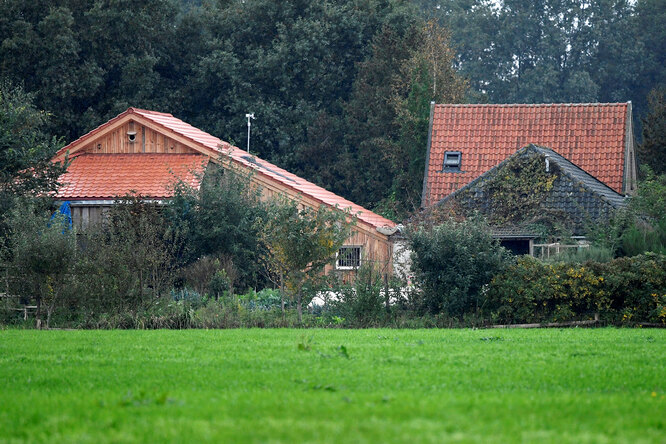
x=25, y=149
x=652, y=150
x=370, y=120
x=219, y=220
x=647, y=229
x=388, y=114
x=43, y=253
x=649, y=37
x=25, y=152
x=453, y=262
x=427, y=76
x=301, y=241
x=139, y=235
x=81, y=62
x=519, y=51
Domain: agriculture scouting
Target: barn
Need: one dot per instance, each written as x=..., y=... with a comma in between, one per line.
x=146, y=152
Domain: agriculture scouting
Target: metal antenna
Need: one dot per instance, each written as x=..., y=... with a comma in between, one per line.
x=249, y=116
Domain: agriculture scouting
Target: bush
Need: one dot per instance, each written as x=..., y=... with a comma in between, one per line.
x=623, y=291
x=42, y=253
x=533, y=291
x=220, y=220
x=128, y=262
x=453, y=262
x=363, y=303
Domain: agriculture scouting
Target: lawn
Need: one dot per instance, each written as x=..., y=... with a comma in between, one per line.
x=570, y=385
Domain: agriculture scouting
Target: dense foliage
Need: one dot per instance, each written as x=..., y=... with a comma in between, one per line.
x=220, y=220
x=453, y=262
x=300, y=242
x=41, y=252
x=642, y=226
x=652, y=151
x=340, y=89
x=524, y=51
x=624, y=290
x=25, y=152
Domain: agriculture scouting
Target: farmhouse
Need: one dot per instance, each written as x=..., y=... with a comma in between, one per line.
x=147, y=152
x=533, y=187
x=465, y=141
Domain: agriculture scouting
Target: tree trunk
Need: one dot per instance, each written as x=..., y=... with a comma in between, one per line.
x=49, y=310
x=299, y=307
x=282, y=293
x=38, y=312
x=141, y=286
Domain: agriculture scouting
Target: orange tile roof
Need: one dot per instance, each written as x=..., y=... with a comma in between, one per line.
x=107, y=176
x=592, y=136
x=171, y=124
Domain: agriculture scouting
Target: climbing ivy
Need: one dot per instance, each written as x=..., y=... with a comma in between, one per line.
x=514, y=192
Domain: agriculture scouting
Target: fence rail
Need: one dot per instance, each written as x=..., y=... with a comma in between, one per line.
x=556, y=248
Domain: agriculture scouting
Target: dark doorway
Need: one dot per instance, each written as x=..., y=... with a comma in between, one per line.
x=517, y=247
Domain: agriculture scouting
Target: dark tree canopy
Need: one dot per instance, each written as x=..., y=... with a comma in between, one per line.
x=340, y=88
x=652, y=151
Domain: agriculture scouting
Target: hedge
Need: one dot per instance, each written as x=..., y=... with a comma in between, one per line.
x=624, y=291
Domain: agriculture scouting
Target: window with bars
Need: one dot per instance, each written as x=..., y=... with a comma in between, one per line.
x=348, y=258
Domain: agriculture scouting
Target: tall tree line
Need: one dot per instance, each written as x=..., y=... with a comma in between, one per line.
x=520, y=51
x=340, y=88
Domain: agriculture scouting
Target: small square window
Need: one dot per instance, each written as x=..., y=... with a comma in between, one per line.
x=452, y=160
x=348, y=258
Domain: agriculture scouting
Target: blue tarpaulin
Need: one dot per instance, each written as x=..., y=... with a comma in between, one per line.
x=66, y=211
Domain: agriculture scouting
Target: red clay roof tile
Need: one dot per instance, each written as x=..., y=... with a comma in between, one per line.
x=107, y=176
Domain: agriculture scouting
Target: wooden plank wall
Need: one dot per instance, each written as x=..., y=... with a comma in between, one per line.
x=84, y=216
x=146, y=140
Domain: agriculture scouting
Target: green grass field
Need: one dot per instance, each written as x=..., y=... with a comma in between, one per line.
x=377, y=386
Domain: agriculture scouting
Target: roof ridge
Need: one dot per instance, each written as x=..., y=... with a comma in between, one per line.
x=141, y=110
x=531, y=105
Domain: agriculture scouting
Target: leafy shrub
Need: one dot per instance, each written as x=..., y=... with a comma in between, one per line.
x=266, y=299
x=641, y=237
x=534, y=291
x=127, y=262
x=453, y=262
x=362, y=304
x=636, y=287
x=220, y=220
x=625, y=290
x=42, y=252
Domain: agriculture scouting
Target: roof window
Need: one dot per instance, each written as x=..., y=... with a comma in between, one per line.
x=452, y=161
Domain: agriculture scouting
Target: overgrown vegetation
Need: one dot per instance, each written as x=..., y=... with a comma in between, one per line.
x=452, y=263
x=622, y=291
x=340, y=88
x=642, y=226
